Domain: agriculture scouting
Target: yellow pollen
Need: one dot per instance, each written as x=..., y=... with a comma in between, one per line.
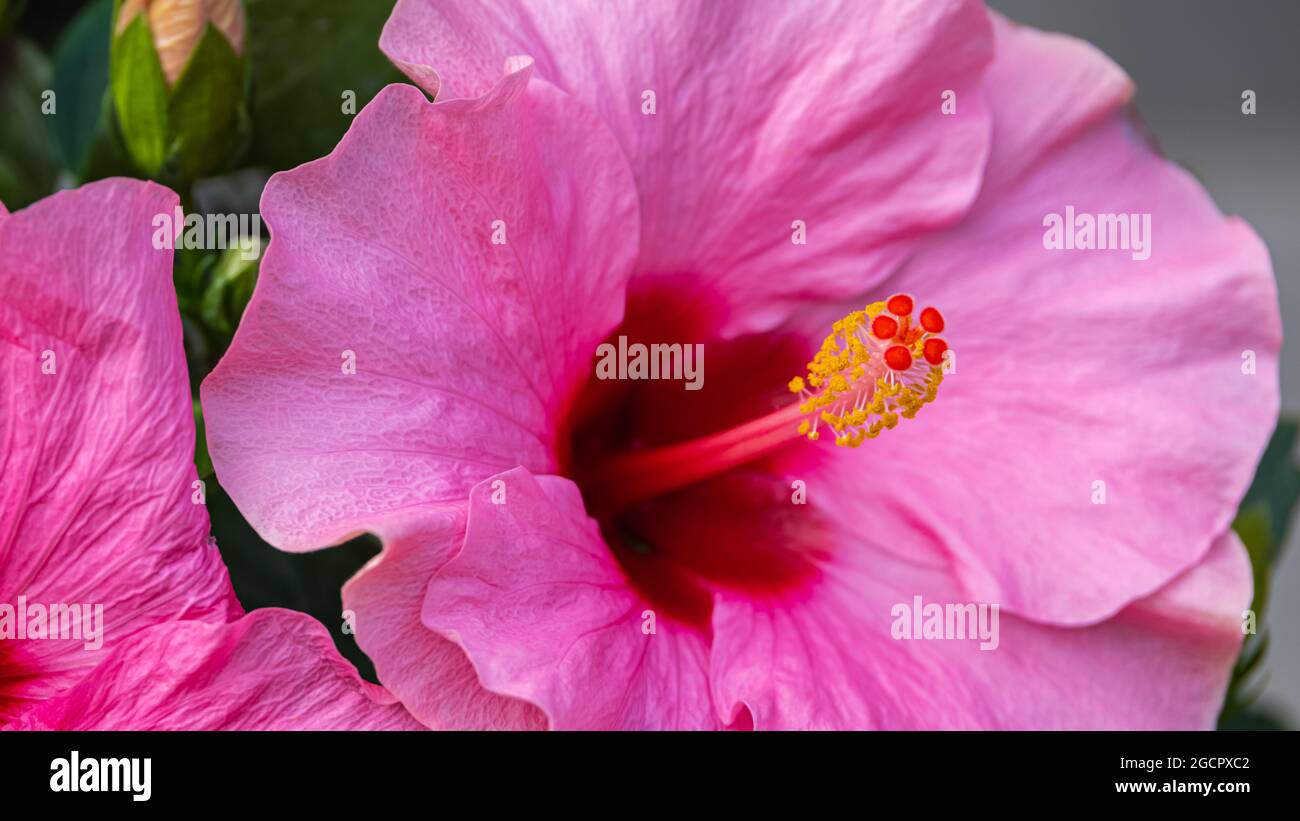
x=852, y=389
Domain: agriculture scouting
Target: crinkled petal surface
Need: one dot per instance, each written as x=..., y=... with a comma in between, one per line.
x=431, y=675
x=829, y=659
x=467, y=257
x=544, y=613
x=1075, y=367
x=271, y=670
x=1099, y=429
x=764, y=113
x=96, y=434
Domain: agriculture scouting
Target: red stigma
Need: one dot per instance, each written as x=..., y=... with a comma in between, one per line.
x=899, y=305
x=898, y=357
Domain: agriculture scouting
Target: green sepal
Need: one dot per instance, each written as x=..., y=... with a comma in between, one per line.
x=205, y=109
x=139, y=93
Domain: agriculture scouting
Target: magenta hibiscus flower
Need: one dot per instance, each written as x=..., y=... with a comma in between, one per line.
x=115, y=610
x=419, y=361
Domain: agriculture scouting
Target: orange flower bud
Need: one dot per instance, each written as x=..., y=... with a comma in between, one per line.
x=177, y=26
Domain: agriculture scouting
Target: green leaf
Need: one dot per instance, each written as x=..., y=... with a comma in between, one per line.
x=29, y=163
x=81, y=82
x=190, y=268
x=10, y=11
x=303, y=55
x=140, y=96
x=1252, y=527
x=1277, y=480
x=1269, y=505
x=1262, y=523
x=1253, y=719
x=205, y=106
x=202, y=461
x=230, y=286
x=107, y=156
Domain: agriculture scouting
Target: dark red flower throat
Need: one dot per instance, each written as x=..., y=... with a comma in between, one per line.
x=691, y=487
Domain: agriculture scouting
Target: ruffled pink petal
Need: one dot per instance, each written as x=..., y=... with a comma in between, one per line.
x=97, y=481
x=765, y=113
x=1077, y=367
x=545, y=614
x=465, y=350
x=429, y=674
x=271, y=670
x=829, y=660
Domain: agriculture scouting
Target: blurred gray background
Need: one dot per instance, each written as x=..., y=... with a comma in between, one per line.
x=1191, y=59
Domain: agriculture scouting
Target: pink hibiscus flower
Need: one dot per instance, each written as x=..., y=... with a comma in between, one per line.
x=115, y=610
x=565, y=551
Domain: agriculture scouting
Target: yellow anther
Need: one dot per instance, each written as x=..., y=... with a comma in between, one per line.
x=850, y=389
